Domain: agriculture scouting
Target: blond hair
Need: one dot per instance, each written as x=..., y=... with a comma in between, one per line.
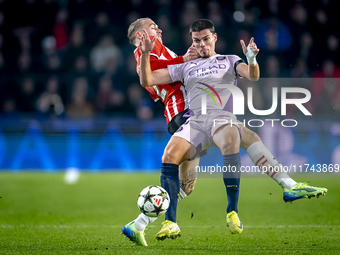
x=133, y=28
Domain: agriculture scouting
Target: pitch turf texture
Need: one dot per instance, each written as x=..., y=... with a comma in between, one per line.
x=39, y=214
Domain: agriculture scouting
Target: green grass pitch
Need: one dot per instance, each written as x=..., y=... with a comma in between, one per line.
x=39, y=214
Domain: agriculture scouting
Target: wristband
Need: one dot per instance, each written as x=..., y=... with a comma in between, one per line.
x=251, y=58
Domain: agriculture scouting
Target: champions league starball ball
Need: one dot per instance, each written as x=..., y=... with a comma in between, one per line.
x=153, y=201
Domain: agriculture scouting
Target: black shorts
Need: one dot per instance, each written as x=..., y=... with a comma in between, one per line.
x=178, y=121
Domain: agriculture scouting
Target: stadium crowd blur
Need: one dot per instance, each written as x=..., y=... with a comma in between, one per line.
x=71, y=59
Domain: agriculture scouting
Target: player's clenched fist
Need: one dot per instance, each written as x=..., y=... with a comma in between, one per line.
x=191, y=54
x=146, y=44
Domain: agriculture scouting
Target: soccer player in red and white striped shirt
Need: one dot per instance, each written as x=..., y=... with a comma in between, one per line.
x=172, y=96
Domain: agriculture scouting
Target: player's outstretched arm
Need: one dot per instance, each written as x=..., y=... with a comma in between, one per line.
x=252, y=70
x=191, y=54
x=147, y=77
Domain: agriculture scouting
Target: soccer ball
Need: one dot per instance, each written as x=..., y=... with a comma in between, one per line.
x=153, y=201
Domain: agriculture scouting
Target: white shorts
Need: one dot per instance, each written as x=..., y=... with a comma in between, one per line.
x=199, y=130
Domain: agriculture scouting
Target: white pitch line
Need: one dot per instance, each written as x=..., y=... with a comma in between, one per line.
x=151, y=226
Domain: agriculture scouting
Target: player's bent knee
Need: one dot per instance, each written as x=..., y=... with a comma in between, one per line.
x=227, y=140
x=169, y=158
x=254, y=137
x=177, y=150
x=230, y=148
x=175, y=155
x=248, y=138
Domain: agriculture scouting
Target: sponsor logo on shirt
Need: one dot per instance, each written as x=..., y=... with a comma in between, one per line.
x=207, y=70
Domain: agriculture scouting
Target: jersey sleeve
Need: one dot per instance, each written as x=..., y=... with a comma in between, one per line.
x=159, y=64
x=176, y=72
x=157, y=48
x=234, y=62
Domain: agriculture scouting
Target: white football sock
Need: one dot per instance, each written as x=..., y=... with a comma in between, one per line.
x=181, y=195
x=142, y=221
x=264, y=160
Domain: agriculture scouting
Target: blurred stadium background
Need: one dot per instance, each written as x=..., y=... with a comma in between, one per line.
x=70, y=95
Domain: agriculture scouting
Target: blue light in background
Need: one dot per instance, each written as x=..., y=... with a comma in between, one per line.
x=112, y=148
x=141, y=149
x=33, y=148
x=2, y=148
x=73, y=148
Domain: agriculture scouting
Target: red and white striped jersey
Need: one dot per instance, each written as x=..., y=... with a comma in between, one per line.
x=173, y=95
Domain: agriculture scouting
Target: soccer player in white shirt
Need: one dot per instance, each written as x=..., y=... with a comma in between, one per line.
x=200, y=132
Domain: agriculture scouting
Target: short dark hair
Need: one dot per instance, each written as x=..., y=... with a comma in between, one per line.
x=202, y=24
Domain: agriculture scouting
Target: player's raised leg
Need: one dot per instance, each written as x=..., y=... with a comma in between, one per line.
x=263, y=158
x=227, y=139
x=135, y=229
x=187, y=178
x=176, y=151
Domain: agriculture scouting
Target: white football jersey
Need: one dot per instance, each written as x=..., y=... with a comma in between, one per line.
x=200, y=78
